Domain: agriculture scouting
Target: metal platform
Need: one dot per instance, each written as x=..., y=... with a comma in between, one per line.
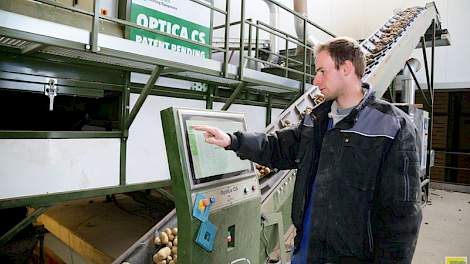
x=66, y=41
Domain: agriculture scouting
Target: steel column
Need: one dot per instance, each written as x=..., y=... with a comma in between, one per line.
x=21, y=225
x=226, y=38
x=145, y=92
x=234, y=95
x=210, y=97
x=95, y=27
x=417, y=85
x=425, y=59
x=125, y=130
x=269, y=108
x=242, y=42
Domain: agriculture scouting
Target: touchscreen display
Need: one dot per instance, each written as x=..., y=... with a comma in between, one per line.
x=209, y=162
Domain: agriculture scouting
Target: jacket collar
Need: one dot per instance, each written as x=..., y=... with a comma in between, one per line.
x=350, y=119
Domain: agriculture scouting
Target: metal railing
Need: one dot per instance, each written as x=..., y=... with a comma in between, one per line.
x=455, y=170
x=258, y=25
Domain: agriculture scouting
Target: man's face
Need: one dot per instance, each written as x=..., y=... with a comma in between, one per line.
x=329, y=79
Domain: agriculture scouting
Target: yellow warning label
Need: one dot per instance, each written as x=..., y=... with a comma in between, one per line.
x=456, y=260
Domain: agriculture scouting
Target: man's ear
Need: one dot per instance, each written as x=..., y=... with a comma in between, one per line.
x=347, y=68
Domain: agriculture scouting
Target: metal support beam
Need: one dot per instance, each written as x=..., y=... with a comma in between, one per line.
x=210, y=97
x=125, y=130
x=250, y=36
x=431, y=114
x=269, y=108
x=145, y=92
x=234, y=95
x=257, y=40
x=429, y=103
x=432, y=57
x=391, y=91
x=226, y=38
x=241, y=63
x=50, y=199
x=95, y=27
x=425, y=59
x=23, y=134
x=166, y=194
x=304, y=63
x=21, y=225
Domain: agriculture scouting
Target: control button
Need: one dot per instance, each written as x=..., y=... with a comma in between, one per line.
x=245, y=190
x=253, y=188
x=201, y=206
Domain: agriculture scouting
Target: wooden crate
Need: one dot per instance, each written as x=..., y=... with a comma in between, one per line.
x=437, y=174
x=464, y=133
x=440, y=159
x=463, y=177
x=463, y=162
x=439, y=132
x=441, y=102
x=465, y=104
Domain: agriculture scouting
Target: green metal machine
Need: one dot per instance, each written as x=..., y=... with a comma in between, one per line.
x=217, y=194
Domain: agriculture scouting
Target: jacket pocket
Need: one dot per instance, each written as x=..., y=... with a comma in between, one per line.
x=360, y=161
x=411, y=186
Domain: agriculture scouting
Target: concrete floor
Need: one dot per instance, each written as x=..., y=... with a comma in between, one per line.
x=445, y=230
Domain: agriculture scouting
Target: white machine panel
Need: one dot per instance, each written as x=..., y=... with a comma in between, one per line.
x=146, y=153
x=275, y=112
x=44, y=166
x=255, y=116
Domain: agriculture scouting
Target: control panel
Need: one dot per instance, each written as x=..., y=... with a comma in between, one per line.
x=230, y=194
x=217, y=195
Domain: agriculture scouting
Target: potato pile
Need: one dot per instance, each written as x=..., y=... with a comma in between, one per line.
x=263, y=170
x=168, y=239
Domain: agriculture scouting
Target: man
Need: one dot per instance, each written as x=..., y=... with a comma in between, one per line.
x=357, y=191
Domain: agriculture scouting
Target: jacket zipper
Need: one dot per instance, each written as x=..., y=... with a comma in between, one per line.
x=369, y=232
x=405, y=175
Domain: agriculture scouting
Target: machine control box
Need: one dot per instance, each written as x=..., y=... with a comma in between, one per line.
x=233, y=193
x=217, y=194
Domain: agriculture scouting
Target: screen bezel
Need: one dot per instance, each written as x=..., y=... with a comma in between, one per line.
x=185, y=115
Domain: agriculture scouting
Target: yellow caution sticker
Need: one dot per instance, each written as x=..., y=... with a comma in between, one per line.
x=456, y=260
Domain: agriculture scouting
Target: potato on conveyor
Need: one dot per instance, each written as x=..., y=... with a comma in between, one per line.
x=162, y=254
x=164, y=238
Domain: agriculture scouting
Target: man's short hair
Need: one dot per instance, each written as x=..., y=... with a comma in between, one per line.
x=342, y=49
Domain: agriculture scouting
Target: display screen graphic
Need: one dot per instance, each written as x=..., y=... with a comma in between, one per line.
x=210, y=162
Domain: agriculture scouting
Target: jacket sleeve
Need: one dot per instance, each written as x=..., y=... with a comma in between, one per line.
x=276, y=150
x=397, y=214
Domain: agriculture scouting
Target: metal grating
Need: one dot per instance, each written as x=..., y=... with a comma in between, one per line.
x=96, y=57
x=13, y=43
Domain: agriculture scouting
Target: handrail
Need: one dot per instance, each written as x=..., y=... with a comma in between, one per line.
x=210, y=7
x=295, y=41
x=280, y=67
x=259, y=25
x=302, y=17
